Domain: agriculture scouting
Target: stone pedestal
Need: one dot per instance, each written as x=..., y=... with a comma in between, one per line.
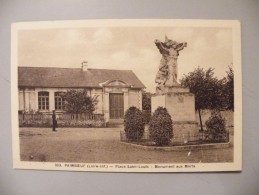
x=180, y=104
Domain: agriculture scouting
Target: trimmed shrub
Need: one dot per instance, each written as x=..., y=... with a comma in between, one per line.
x=161, y=127
x=216, y=127
x=146, y=115
x=134, y=124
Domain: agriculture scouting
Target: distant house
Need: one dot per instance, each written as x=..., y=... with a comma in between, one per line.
x=40, y=88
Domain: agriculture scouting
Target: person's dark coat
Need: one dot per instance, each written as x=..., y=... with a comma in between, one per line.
x=54, y=121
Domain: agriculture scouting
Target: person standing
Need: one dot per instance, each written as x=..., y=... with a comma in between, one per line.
x=54, y=121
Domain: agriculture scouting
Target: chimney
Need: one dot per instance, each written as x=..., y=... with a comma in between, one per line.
x=84, y=66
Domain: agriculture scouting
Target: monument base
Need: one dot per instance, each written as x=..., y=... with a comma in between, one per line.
x=164, y=89
x=180, y=104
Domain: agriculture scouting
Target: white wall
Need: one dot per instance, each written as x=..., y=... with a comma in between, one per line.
x=27, y=99
x=99, y=93
x=135, y=98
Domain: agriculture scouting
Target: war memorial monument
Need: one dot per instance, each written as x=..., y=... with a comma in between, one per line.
x=178, y=101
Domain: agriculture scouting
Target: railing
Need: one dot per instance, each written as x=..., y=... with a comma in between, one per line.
x=134, y=137
x=184, y=139
x=82, y=116
x=60, y=116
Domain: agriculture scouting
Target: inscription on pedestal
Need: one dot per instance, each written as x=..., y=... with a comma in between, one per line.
x=179, y=105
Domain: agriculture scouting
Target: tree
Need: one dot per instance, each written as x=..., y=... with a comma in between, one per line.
x=78, y=101
x=229, y=89
x=146, y=100
x=146, y=106
x=207, y=89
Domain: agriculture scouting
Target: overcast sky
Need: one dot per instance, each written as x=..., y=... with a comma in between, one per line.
x=126, y=48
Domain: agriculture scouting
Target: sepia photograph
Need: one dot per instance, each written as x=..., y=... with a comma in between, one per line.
x=127, y=95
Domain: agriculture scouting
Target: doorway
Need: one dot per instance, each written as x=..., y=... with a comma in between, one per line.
x=116, y=105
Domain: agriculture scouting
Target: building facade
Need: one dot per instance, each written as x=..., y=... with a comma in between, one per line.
x=40, y=89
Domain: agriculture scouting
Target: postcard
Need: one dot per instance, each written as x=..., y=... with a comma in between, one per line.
x=127, y=95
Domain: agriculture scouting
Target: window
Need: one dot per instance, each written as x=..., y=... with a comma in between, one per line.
x=59, y=101
x=43, y=100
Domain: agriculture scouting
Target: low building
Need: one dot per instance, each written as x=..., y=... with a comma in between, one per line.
x=40, y=89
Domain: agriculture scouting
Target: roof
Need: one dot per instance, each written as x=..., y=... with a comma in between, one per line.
x=73, y=77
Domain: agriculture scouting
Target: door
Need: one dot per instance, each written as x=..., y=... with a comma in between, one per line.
x=116, y=105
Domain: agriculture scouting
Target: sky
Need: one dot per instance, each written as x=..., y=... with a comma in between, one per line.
x=126, y=48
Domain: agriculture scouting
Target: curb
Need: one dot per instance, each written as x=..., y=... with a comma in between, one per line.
x=179, y=148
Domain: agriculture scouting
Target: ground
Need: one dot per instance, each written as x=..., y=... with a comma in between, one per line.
x=102, y=145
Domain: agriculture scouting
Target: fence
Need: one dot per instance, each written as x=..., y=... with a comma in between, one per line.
x=64, y=120
x=60, y=116
x=134, y=137
x=184, y=139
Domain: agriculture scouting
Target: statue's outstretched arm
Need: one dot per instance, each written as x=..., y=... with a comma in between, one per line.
x=161, y=47
x=181, y=46
x=164, y=48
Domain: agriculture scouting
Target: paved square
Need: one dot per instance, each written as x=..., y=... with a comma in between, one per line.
x=102, y=145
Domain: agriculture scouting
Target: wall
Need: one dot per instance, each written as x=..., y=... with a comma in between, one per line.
x=28, y=99
x=135, y=98
x=99, y=93
x=228, y=115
